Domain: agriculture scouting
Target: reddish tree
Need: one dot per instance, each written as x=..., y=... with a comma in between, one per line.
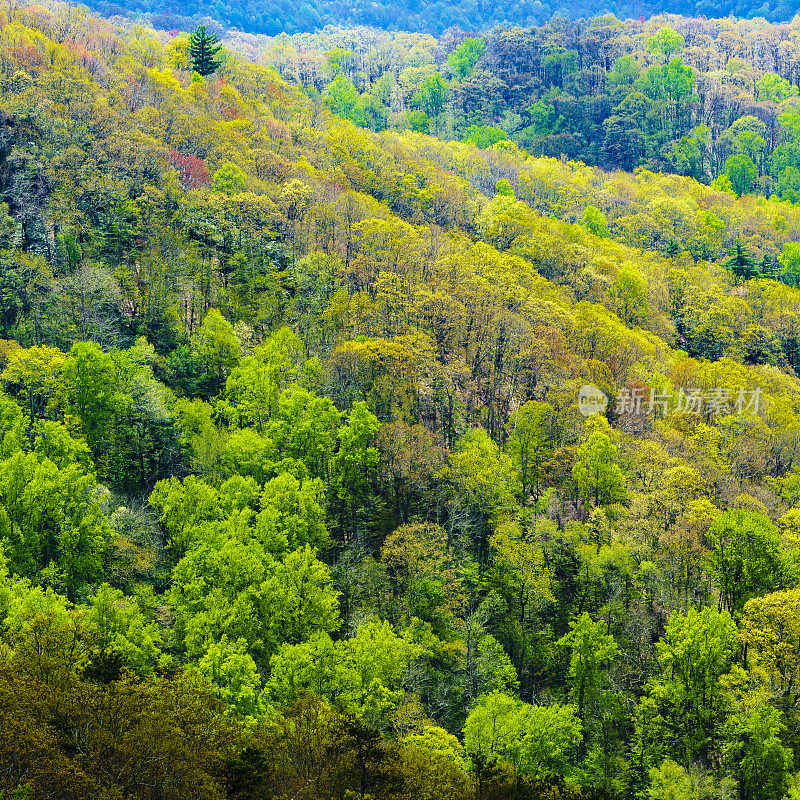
x=191, y=169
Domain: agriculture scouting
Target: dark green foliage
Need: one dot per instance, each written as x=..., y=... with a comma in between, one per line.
x=743, y=266
x=204, y=51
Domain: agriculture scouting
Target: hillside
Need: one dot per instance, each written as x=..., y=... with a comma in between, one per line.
x=710, y=99
x=298, y=496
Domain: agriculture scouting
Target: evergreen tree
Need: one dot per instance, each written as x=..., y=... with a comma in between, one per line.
x=769, y=267
x=204, y=51
x=742, y=264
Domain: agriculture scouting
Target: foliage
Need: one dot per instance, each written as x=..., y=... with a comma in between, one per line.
x=296, y=494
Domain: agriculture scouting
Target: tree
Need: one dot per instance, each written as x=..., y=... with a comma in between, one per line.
x=463, y=59
x=120, y=628
x=204, y=51
x=353, y=467
x=434, y=766
x=417, y=559
x=596, y=473
x=591, y=650
x=493, y=725
x=742, y=173
x=689, y=152
x=683, y=715
x=292, y=514
x=520, y=566
x=363, y=674
x=742, y=264
x=746, y=557
x=595, y=221
x=771, y=631
x=665, y=42
x=341, y=96
x=299, y=598
x=35, y=376
x=90, y=391
x=484, y=136
x=789, y=259
x=758, y=758
x=431, y=95
x=774, y=89
x=254, y=386
x=671, y=781
x=528, y=445
x=230, y=669
x=192, y=171
x=229, y=179
x=219, y=349
x=539, y=740
x=372, y=113
x=52, y=520
x=551, y=737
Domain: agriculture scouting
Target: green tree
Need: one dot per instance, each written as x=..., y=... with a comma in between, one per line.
x=689, y=152
x=484, y=136
x=230, y=669
x=52, y=520
x=218, y=348
x=746, y=557
x=463, y=59
x=528, y=445
x=434, y=764
x=665, y=42
x=34, y=375
x=742, y=173
x=90, y=392
x=595, y=221
x=494, y=724
x=292, y=514
x=299, y=598
x=342, y=97
x=548, y=746
x=591, y=651
x=540, y=740
x=353, y=468
x=229, y=179
x=364, y=674
x=204, y=51
x=742, y=264
x=789, y=260
x=774, y=89
x=596, y=473
x=758, y=758
x=687, y=705
x=431, y=95
x=671, y=781
x=121, y=629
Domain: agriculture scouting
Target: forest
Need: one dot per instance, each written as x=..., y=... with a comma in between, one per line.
x=299, y=493
x=708, y=99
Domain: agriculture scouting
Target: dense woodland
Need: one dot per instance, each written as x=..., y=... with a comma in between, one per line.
x=296, y=500
x=709, y=99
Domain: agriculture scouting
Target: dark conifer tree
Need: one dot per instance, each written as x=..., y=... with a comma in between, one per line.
x=742, y=264
x=204, y=50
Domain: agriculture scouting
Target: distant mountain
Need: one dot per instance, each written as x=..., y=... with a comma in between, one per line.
x=412, y=15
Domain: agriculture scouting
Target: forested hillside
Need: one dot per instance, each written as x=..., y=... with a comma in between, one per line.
x=298, y=498
x=710, y=99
